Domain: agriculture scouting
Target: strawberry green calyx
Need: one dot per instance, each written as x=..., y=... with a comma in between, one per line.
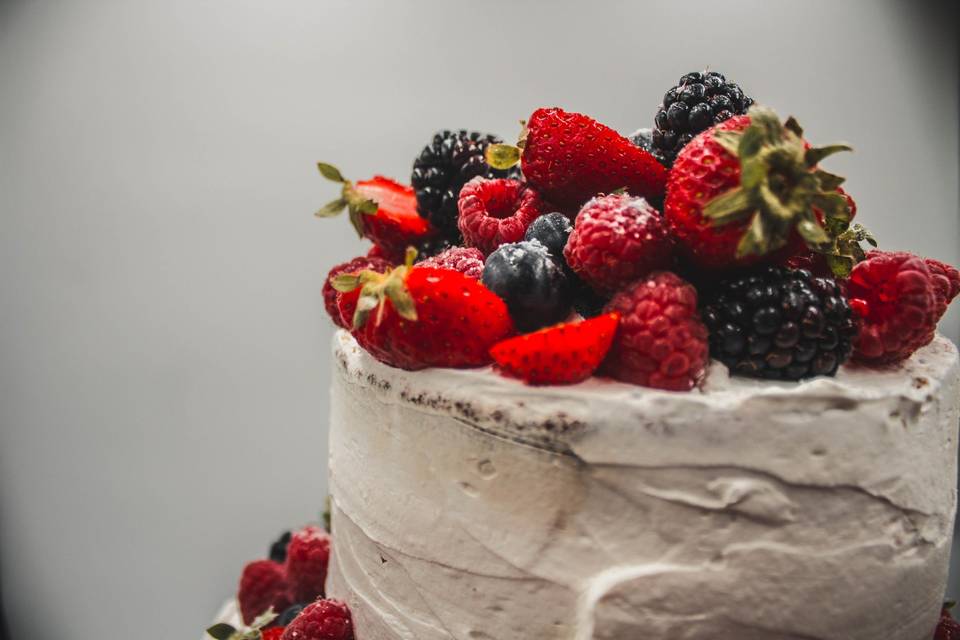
x=781, y=187
x=349, y=199
x=377, y=287
x=845, y=251
x=224, y=631
x=504, y=156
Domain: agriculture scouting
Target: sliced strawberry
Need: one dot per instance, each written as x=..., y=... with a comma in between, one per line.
x=562, y=354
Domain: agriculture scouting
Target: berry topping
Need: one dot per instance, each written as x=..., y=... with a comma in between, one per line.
x=660, y=342
x=289, y=614
x=451, y=160
x=617, y=239
x=322, y=620
x=643, y=138
x=308, y=555
x=530, y=281
x=416, y=317
x=495, y=212
x=330, y=295
x=562, y=354
x=899, y=303
x=780, y=324
x=273, y=633
x=466, y=260
x=262, y=585
x=721, y=221
x=699, y=101
x=551, y=230
x=569, y=158
x=947, y=627
x=278, y=549
x=946, y=283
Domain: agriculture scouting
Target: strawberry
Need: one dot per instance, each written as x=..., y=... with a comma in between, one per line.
x=418, y=317
x=273, y=633
x=749, y=190
x=562, y=354
x=381, y=209
x=570, y=158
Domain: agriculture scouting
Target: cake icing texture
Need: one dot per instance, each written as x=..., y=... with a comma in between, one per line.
x=468, y=505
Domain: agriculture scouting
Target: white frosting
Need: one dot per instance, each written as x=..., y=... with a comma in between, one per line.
x=470, y=506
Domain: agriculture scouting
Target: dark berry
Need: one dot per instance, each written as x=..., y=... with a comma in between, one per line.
x=278, y=550
x=530, y=281
x=288, y=615
x=432, y=247
x=551, y=230
x=699, y=101
x=779, y=324
x=450, y=160
x=643, y=138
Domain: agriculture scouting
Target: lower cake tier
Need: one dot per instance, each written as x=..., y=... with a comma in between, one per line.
x=470, y=506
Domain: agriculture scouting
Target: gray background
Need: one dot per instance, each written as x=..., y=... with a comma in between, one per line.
x=162, y=338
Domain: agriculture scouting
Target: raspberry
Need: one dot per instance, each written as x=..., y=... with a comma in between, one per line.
x=466, y=260
x=947, y=627
x=946, y=281
x=274, y=633
x=353, y=266
x=262, y=585
x=322, y=620
x=661, y=341
x=308, y=555
x=896, y=297
x=617, y=239
x=496, y=212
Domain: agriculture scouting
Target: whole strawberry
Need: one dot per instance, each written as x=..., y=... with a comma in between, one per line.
x=899, y=301
x=262, y=585
x=322, y=620
x=416, y=317
x=381, y=209
x=378, y=264
x=562, y=354
x=661, y=341
x=496, y=211
x=947, y=627
x=617, y=239
x=749, y=190
x=569, y=158
x=308, y=556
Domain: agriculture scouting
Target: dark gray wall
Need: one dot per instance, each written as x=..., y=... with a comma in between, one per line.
x=163, y=343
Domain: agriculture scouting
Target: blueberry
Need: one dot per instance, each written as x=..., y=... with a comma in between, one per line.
x=278, y=550
x=530, y=282
x=289, y=614
x=552, y=231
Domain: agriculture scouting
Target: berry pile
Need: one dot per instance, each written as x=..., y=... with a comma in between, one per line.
x=559, y=258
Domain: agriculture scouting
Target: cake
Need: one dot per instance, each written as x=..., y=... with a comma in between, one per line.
x=596, y=387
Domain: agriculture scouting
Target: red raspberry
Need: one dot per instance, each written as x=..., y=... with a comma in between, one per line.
x=617, y=239
x=946, y=282
x=330, y=294
x=466, y=260
x=322, y=620
x=262, y=585
x=947, y=627
x=308, y=555
x=273, y=633
x=896, y=298
x=661, y=341
x=495, y=212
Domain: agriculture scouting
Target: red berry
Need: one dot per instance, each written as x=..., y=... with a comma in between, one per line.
x=569, y=158
x=562, y=354
x=262, y=585
x=308, y=555
x=322, y=620
x=446, y=319
x=896, y=298
x=661, y=341
x=466, y=260
x=617, y=239
x=947, y=627
x=353, y=266
x=496, y=211
x=946, y=281
x=273, y=633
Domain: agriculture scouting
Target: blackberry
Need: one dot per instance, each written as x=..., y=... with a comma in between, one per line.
x=780, y=324
x=532, y=284
x=432, y=246
x=642, y=138
x=441, y=170
x=288, y=615
x=699, y=101
x=278, y=550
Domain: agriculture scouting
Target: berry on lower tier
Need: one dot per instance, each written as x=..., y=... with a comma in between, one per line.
x=263, y=585
x=531, y=283
x=321, y=620
x=452, y=159
x=496, y=211
x=697, y=102
x=780, y=324
x=617, y=239
x=947, y=627
x=308, y=555
x=465, y=260
x=273, y=633
x=899, y=302
x=278, y=549
x=660, y=342
x=562, y=354
x=330, y=295
x=289, y=614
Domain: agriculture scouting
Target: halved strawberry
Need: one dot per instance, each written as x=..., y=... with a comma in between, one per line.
x=381, y=209
x=565, y=353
